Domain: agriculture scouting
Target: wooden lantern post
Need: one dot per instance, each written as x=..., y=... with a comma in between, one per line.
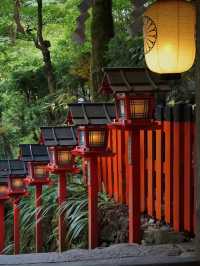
x=37, y=159
x=134, y=112
x=134, y=91
x=3, y=198
x=16, y=171
x=92, y=143
x=60, y=142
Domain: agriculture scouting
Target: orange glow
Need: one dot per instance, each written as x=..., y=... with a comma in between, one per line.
x=17, y=183
x=96, y=138
x=64, y=157
x=139, y=108
x=40, y=171
x=3, y=189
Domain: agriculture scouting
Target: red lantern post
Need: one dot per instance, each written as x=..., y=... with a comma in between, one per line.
x=15, y=170
x=135, y=102
x=92, y=141
x=36, y=157
x=3, y=198
x=60, y=142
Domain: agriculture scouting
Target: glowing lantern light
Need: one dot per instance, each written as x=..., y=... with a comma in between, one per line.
x=3, y=189
x=64, y=157
x=169, y=36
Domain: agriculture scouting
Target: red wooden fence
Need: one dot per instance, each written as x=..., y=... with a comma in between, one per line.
x=166, y=167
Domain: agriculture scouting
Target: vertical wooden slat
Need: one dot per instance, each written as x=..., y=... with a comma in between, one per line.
x=188, y=171
x=115, y=165
x=150, y=167
x=104, y=173
x=158, y=170
x=110, y=167
x=126, y=137
x=159, y=162
x=99, y=170
x=178, y=167
x=168, y=163
x=143, y=185
x=121, y=169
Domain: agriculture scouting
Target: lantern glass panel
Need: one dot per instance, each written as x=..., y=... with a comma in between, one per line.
x=96, y=138
x=139, y=109
x=121, y=108
x=40, y=171
x=3, y=190
x=17, y=183
x=64, y=157
x=82, y=141
x=51, y=156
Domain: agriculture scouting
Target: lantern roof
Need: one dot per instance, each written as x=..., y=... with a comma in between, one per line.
x=3, y=180
x=133, y=80
x=90, y=113
x=59, y=136
x=34, y=153
x=12, y=168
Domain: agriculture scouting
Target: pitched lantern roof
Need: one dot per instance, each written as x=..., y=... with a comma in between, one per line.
x=33, y=153
x=11, y=168
x=59, y=136
x=90, y=113
x=131, y=79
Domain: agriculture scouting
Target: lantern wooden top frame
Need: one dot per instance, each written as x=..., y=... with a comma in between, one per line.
x=81, y=114
x=138, y=80
x=60, y=141
x=15, y=172
x=36, y=158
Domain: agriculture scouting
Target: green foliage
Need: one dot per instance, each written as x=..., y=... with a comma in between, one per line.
x=75, y=210
x=125, y=52
x=26, y=103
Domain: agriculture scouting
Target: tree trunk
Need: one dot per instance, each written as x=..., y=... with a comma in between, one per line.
x=136, y=27
x=197, y=79
x=102, y=30
x=44, y=46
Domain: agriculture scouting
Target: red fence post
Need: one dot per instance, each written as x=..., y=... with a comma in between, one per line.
x=92, y=203
x=115, y=165
x=127, y=150
x=62, y=195
x=188, y=170
x=143, y=179
x=134, y=186
x=178, y=167
x=168, y=162
x=150, y=167
x=2, y=227
x=110, y=165
x=104, y=173
x=38, y=226
x=16, y=226
x=159, y=164
x=121, y=166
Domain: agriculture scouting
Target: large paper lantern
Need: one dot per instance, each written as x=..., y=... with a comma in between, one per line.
x=169, y=36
